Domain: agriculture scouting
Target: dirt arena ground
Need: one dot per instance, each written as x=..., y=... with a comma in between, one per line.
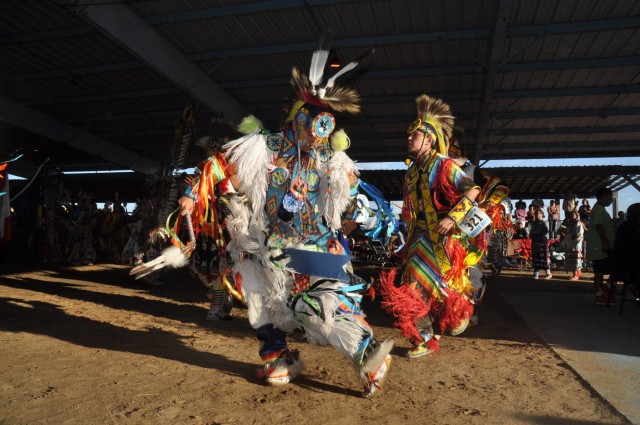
x=89, y=345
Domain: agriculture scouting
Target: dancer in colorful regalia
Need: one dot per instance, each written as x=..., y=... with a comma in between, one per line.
x=293, y=270
x=494, y=200
x=434, y=296
x=207, y=193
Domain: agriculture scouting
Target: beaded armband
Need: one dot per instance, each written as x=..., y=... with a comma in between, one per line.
x=499, y=193
x=459, y=212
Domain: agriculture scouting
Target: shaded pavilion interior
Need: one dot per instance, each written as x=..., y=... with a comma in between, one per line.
x=103, y=85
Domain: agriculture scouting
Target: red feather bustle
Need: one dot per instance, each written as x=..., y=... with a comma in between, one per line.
x=403, y=303
x=454, y=310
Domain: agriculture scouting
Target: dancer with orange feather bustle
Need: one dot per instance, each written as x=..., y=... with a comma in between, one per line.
x=440, y=209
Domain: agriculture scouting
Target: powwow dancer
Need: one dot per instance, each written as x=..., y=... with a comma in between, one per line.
x=208, y=190
x=439, y=202
x=298, y=183
x=494, y=200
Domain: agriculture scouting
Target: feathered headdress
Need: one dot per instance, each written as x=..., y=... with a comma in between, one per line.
x=434, y=116
x=309, y=89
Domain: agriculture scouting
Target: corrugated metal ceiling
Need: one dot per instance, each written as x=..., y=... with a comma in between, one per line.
x=567, y=74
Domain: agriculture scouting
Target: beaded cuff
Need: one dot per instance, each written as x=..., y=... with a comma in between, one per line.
x=191, y=194
x=459, y=212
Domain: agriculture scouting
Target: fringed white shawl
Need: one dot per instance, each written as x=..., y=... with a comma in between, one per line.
x=335, y=189
x=251, y=159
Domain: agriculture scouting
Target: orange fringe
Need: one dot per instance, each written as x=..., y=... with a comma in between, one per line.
x=456, y=254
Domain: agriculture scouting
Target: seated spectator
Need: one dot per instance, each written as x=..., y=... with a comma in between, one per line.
x=521, y=213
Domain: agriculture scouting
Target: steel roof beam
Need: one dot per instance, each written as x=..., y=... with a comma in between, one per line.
x=493, y=60
x=567, y=130
x=574, y=27
x=16, y=114
x=120, y=24
x=105, y=97
x=268, y=6
x=570, y=113
x=632, y=182
x=506, y=94
x=176, y=17
x=370, y=75
x=395, y=135
x=612, y=24
x=358, y=120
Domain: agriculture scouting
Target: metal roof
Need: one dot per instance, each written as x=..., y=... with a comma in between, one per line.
x=102, y=84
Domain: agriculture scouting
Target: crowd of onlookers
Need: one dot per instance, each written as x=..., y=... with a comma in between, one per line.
x=75, y=232
x=586, y=236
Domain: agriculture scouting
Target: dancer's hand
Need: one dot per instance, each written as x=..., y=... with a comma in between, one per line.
x=186, y=205
x=348, y=226
x=444, y=226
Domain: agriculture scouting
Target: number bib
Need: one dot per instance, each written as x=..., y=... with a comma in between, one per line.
x=475, y=222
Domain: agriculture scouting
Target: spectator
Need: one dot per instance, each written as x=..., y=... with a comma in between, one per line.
x=539, y=246
x=618, y=220
x=521, y=213
x=569, y=202
x=538, y=202
x=554, y=218
x=600, y=242
x=574, y=237
x=531, y=216
x=585, y=211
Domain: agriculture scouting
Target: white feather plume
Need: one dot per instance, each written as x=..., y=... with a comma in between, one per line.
x=334, y=202
x=348, y=67
x=174, y=257
x=351, y=65
x=319, y=59
x=375, y=359
x=250, y=156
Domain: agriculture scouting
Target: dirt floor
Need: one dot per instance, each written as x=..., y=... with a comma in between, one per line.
x=90, y=345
